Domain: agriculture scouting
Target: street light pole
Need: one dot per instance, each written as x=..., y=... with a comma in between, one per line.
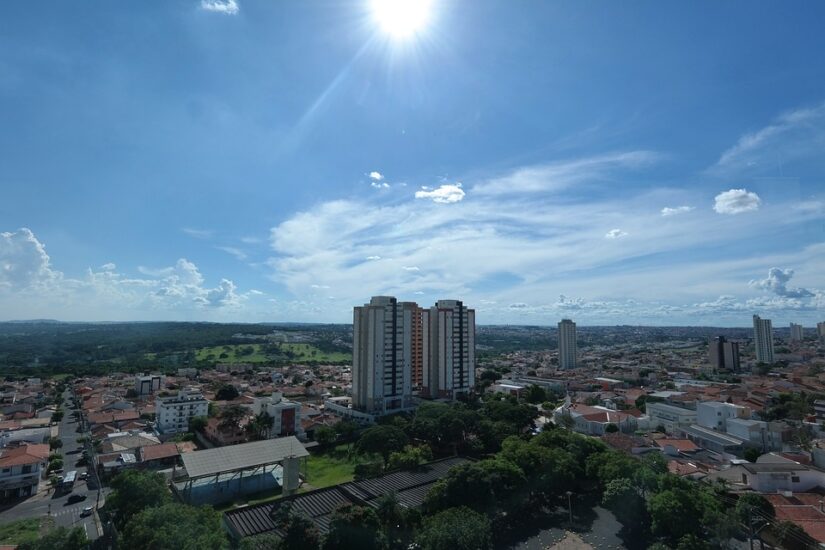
x=570, y=505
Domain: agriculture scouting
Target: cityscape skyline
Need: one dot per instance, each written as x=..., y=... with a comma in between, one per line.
x=236, y=179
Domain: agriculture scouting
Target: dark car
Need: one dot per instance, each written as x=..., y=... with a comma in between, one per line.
x=76, y=498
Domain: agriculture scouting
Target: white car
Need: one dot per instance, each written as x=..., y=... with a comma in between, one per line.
x=87, y=511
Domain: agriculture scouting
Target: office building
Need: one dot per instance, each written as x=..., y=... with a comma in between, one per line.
x=450, y=341
x=763, y=339
x=173, y=412
x=796, y=332
x=567, y=344
x=382, y=355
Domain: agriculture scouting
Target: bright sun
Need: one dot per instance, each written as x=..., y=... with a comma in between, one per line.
x=401, y=18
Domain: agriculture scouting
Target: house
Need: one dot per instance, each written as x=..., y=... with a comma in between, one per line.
x=593, y=420
x=676, y=447
x=223, y=435
x=157, y=456
x=285, y=414
x=21, y=469
x=669, y=417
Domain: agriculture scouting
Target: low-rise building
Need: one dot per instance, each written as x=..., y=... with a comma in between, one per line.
x=21, y=469
x=146, y=384
x=714, y=415
x=669, y=417
x=286, y=414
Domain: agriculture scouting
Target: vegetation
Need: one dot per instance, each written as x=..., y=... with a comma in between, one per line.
x=455, y=529
x=174, y=526
x=134, y=491
x=17, y=532
x=337, y=465
x=60, y=538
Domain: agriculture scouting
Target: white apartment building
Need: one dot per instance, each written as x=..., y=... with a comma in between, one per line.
x=820, y=331
x=669, y=417
x=450, y=341
x=763, y=339
x=173, y=412
x=567, y=344
x=382, y=355
x=286, y=414
x=797, y=332
x=714, y=414
x=146, y=384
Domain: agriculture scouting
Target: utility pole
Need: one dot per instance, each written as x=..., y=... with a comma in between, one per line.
x=570, y=507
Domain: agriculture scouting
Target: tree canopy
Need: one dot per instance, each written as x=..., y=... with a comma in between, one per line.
x=134, y=491
x=174, y=526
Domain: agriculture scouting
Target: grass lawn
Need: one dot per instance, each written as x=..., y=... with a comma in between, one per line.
x=308, y=352
x=232, y=353
x=17, y=532
x=332, y=467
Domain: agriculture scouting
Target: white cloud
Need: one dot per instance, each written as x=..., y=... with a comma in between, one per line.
x=108, y=267
x=227, y=7
x=379, y=185
x=673, y=211
x=615, y=234
x=320, y=287
x=736, y=201
x=376, y=176
x=443, y=194
x=777, y=282
x=373, y=258
x=411, y=268
x=518, y=305
x=198, y=233
x=23, y=261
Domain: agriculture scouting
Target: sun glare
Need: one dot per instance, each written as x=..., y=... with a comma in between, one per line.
x=401, y=18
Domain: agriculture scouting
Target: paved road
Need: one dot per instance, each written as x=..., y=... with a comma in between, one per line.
x=56, y=504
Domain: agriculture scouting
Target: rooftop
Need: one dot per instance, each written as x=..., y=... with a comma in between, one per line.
x=242, y=457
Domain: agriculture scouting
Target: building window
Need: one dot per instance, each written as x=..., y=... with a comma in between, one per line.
x=795, y=479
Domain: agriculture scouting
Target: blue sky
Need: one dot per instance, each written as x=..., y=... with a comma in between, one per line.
x=282, y=161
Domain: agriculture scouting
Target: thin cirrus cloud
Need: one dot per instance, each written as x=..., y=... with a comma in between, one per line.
x=736, y=201
x=676, y=210
x=198, y=233
x=226, y=7
x=615, y=234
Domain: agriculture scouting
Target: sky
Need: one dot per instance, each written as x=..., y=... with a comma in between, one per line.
x=239, y=160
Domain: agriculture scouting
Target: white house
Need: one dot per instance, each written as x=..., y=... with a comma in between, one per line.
x=21, y=469
x=669, y=417
x=286, y=414
x=714, y=414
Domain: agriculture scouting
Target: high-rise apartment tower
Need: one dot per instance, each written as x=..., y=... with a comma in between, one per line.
x=763, y=339
x=567, y=344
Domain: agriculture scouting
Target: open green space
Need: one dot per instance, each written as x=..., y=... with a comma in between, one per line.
x=18, y=532
x=337, y=465
x=308, y=352
x=234, y=353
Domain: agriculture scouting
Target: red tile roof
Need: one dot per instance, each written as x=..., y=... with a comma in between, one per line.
x=681, y=445
x=157, y=452
x=26, y=454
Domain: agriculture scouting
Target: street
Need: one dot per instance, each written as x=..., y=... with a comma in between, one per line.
x=55, y=503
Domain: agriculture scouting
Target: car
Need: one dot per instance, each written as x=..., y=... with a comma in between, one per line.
x=75, y=497
x=84, y=475
x=87, y=511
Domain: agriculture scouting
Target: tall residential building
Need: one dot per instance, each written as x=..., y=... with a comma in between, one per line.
x=796, y=332
x=820, y=330
x=567, y=344
x=723, y=354
x=420, y=351
x=763, y=339
x=173, y=412
x=147, y=384
x=449, y=336
x=382, y=355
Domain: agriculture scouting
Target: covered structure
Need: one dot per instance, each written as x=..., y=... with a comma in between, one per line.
x=224, y=473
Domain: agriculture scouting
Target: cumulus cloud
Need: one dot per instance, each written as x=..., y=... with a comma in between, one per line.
x=443, y=194
x=518, y=305
x=379, y=185
x=676, y=210
x=108, y=267
x=376, y=176
x=777, y=283
x=226, y=7
x=736, y=201
x=23, y=261
x=615, y=234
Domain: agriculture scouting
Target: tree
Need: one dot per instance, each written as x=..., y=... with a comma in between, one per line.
x=133, y=491
x=198, y=423
x=793, y=537
x=57, y=415
x=753, y=504
x=174, y=526
x=226, y=392
x=231, y=416
x=55, y=443
x=60, y=538
x=455, y=529
x=325, y=436
x=299, y=532
x=382, y=440
x=260, y=427
x=535, y=394
x=55, y=464
x=355, y=527
x=410, y=458
x=611, y=428
x=624, y=500
x=346, y=428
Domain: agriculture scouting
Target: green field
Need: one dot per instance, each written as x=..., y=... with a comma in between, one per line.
x=17, y=532
x=332, y=467
x=308, y=352
x=232, y=354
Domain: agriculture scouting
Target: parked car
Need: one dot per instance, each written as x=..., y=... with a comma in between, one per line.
x=84, y=475
x=76, y=498
x=87, y=511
